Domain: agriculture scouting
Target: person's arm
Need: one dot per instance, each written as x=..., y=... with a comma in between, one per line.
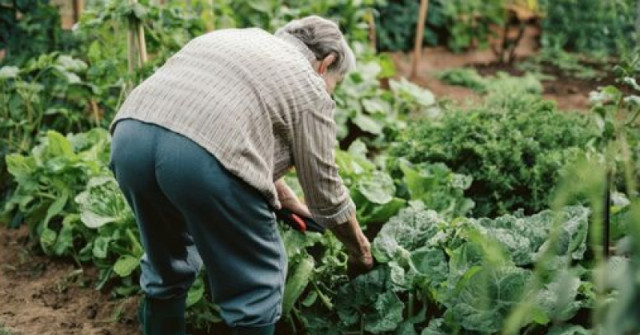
x=349, y=233
x=358, y=246
x=326, y=196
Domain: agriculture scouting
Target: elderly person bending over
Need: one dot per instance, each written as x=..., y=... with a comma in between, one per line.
x=199, y=150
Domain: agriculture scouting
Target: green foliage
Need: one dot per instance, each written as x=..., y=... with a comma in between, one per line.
x=378, y=196
x=501, y=82
x=379, y=113
x=439, y=272
x=569, y=64
x=4, y=331
x=73, y=204
x=460, y=24
x=51, y=175
x=514, y=147
x=465, y=77
x=352, y=16
x=48, y=92
x=593, y=27
x=23, y=24
x=467, y=268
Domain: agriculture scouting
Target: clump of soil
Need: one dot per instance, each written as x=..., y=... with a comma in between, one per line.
x=44, y=296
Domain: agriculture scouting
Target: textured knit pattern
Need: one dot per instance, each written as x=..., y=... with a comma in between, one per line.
x=254, y=101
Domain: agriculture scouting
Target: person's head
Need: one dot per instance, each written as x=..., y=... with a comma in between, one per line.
x=334, y=57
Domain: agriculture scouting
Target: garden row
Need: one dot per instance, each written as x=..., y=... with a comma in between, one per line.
x=484, y=220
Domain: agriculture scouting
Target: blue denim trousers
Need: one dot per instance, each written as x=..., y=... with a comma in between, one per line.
x=191, y=211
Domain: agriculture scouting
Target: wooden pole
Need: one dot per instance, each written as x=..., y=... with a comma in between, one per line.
x=131, y=46
x=142, y=45
x=78, y=7
x=417, y=51
x=372, y=30
x=136, y=42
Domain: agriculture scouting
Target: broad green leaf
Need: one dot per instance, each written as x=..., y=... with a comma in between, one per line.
x=296, y=283
x=8, y=72
x=558, y=298
x=388, y=314
x=387, y=66
x=56, y=207
x=436, y=327
x=95, y=221
x=488, y=297
x=47, y=239
x=68, y=63
x=382, y=213
x=368, y=124
x=412, y=92
x=569, y=330
x=58, y=145
x=64, y=242
x=101, y=246
x=21, y=167
x=411, y=229
x=431, y=264
x=196, y=292
x=376, y=106
x=627, y=80
x=125, y=265
x=377, y=187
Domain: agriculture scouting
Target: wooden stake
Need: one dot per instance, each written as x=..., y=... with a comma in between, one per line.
x=78, y=7
x=131, y=46
x=372, y=30
x=142, y=45
x=136, y=42
x=417, y=51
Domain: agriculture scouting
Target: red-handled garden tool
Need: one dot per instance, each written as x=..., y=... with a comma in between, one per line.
x=298, y=222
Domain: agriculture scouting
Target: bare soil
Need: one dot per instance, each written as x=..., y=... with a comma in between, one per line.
x=568, y=92
x=41, y=295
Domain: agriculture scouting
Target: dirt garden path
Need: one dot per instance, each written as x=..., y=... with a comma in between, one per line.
x=41, y=296
x=569, y=93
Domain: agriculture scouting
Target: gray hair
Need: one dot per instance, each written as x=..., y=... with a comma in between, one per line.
x=322, y=37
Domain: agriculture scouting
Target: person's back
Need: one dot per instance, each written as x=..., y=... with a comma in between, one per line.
x=225, y=87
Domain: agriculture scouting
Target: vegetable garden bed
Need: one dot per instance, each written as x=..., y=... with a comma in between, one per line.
x=495, y=216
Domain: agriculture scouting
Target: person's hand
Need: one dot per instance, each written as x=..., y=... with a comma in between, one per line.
x=360, y=263
x=295, y=205
x=358, y=247
x=290, y=201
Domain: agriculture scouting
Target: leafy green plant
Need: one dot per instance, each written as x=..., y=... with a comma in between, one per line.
x=589, y=26
x=23, y=24
x=73, y=206
x=4, y=331
x=378, y=195
x=460, y=24
x=465, y=268
x=465, y=77
x=470, y=78
x=46, y=93
x=568, y=63
x=379, y=113
x=49, y=178
x=514, y=146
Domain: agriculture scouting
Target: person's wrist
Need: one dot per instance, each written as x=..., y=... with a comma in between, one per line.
x=362, y=251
